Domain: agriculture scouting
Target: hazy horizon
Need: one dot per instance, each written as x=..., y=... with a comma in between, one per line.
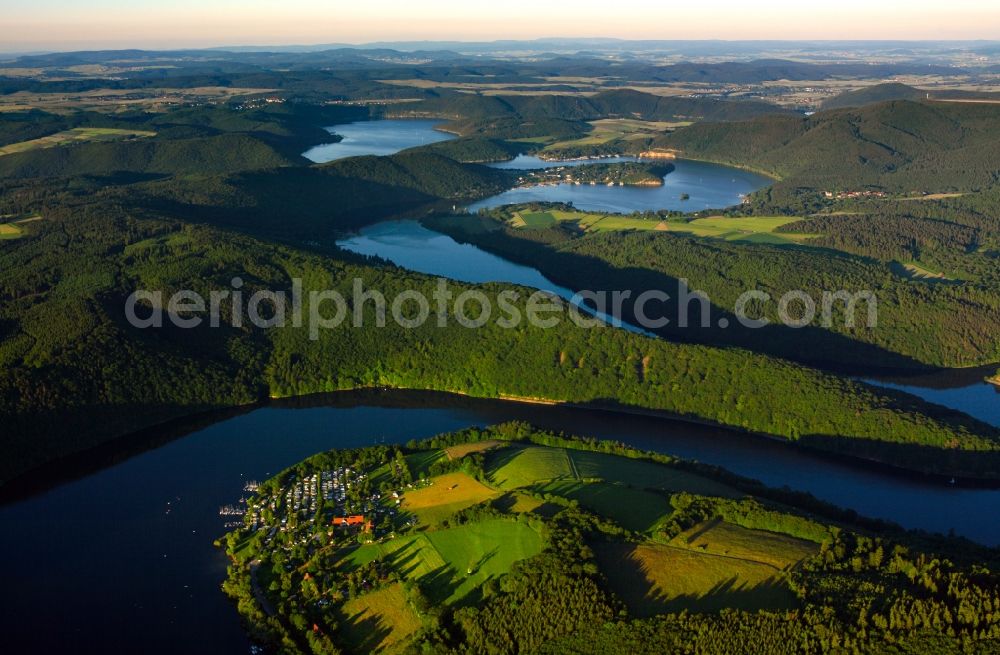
x=61, y=25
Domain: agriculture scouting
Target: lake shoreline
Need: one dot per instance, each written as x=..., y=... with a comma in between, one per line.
x=74, y=466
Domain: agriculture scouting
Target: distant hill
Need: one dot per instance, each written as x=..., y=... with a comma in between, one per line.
x=216, y=154
x=873, y=94
x=622, y=103
x=898, y=146
x=310, y=201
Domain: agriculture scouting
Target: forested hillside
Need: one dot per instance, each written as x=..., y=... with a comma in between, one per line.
x=75, y=373
x=897, y=146
x=482, y=114
x=918, y=324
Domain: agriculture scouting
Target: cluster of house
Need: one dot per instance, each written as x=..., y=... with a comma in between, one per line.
x=300, y=500
x=257, y=103
x=847, y=195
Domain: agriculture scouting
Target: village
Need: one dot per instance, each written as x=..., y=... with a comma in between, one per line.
x=337, y=505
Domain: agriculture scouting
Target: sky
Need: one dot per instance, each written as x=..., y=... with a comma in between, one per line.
x=27, y=25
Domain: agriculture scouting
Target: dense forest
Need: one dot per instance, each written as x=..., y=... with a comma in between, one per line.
x=957, y=324
x=899, y=146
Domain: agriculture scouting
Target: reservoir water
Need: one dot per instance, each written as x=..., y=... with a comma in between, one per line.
x=708, y=186
x=376, y=138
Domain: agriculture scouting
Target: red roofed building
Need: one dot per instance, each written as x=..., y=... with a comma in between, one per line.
x=352, y=521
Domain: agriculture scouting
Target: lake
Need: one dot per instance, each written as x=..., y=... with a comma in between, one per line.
x=709, y=186
x=376, y=138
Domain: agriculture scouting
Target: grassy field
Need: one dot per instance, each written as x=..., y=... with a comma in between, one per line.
x=656, y=578
x=588, y=222
x=480, y=551
x=756, y=229
x=447, y=494
x=632, y=508
x=379, y=621
x=421, y=462
x=454, y=562
x=750, y=229
x=645, y=475
x=611, y=129
x=519, y=467
x=9, y=231
x=914, y=271
x=720, y=538
x=75, y=135
x=513, y=468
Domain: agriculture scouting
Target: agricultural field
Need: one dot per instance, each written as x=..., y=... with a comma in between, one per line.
x=755, y=229
x=749, y=229
x=451, y=564
x=656, y=578
x=379, y=621
x=644, y=475
x=514, y=468
x=585, y=221
x=75, y=135
x=611, y=129
x=718, y=537
x=631, y=508
x=519, y=467
x=446, y=495
x=115, y=100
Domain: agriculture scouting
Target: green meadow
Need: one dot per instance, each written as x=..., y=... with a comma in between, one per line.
x=751, y=229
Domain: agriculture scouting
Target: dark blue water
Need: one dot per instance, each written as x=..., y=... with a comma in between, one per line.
x=376, y=138
x=709, y=186
x=974, y=397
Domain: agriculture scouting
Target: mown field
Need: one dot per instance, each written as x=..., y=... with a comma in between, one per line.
x=451, y=564
x=655, y=578
x=706, y=568
x=446, y=495
x=526, y=466
x=606, y=130
x=754, y=229
x=75, y=135
x=632, y=508
x=624, y=490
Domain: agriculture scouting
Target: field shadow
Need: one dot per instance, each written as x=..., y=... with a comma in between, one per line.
x=628, y=577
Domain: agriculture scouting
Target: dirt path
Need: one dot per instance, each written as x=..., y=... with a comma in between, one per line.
x=258, y=593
